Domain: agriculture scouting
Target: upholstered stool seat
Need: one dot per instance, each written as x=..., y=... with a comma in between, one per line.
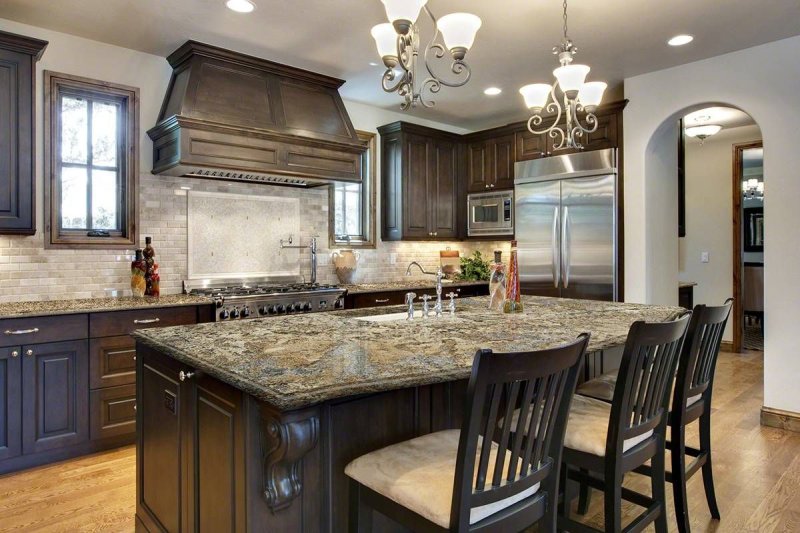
x=419, y=475
x=602, y=388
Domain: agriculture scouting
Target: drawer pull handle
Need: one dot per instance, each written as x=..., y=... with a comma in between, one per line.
x=183, y=376
x=382, y=301
x=134, y=407
x=21, y=331
x=146, y=320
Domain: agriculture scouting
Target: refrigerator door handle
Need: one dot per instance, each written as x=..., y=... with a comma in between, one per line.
x=565, y=246
x=555, y=249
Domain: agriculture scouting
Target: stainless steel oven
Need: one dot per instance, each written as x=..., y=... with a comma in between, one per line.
x=490, y=213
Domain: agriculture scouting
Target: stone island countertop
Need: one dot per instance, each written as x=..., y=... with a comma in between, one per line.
x=293, y=362
x=410, y=285
x=95, y=305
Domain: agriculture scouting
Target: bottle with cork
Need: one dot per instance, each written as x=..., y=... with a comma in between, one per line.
x=513, y=303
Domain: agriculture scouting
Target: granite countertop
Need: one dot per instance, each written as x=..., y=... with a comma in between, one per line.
x=686, y=284
x=293, y=362
x=403, y=285
x=92, y=305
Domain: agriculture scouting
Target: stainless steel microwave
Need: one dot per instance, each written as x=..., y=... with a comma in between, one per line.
x=490, y=213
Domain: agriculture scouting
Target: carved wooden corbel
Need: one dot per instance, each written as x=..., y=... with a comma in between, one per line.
x=284, y=444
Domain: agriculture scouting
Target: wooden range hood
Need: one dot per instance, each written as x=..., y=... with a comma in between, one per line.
x=235, y=117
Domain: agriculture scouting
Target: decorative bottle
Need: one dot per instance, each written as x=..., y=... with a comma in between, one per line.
x=150, y=260
x=138, y=271
x=497, y=283
x=513, y=302
x=154, y=282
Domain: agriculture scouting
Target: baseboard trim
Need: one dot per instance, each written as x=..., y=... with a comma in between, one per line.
x=778, y=418
x=726, y=346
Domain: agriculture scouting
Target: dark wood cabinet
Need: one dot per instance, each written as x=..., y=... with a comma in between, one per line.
x=18, y=57
x=54, y=395
x=360, y=300
x=531, y=145
x=191, y=462
x=10, y=402
x=490, y=164
x=421, y=195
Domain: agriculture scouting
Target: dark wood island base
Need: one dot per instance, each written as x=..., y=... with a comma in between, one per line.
x=213, y=458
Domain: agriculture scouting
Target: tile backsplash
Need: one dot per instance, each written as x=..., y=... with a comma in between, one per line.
x=30, y=272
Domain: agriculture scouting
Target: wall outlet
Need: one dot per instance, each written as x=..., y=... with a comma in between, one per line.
x=392, y=259
x=704, y=257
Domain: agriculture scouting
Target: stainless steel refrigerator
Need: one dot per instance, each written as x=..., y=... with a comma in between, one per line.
x=566, y=225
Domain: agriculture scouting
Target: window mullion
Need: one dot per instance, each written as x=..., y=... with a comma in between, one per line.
x=89, y=161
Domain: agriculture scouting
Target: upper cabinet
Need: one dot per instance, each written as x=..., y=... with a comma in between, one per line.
x=420, y=195
x=18, y=57
x=490, y=163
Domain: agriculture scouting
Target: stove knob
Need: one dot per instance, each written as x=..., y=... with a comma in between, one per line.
x=224, y=315
x=280, y=308
x=323, y=304
x=218, y=302
x=245, y=312
x=290, y=308
x=263, y=310
x=235, y=313
x=272, y=309
x=307, y=307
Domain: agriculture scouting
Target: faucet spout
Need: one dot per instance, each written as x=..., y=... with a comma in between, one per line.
x=414, y=263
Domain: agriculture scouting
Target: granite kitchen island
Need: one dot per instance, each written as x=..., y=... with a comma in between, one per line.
x=248, y=425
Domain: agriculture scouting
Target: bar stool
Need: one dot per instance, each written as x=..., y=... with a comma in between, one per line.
x=691, y=400
x=603, y=441
x=484, y=477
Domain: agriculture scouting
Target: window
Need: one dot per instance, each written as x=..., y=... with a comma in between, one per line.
x=92, y=160
x=352, y=205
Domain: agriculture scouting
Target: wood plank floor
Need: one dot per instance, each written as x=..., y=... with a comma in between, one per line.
x=757, y=472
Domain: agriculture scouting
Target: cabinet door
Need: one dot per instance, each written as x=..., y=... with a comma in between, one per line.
x=216, y=473
x=477, y=167
x=417, y=168
x=10, y=402
x=443, y=198
x=55, y=399
x=530, y=145
x=16, y=143
x=502, y=163
x=604, y=137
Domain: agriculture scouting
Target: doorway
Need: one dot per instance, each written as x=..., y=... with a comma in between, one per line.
x=748, y=246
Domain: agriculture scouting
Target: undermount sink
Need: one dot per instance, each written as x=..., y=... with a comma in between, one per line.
x=389, y=317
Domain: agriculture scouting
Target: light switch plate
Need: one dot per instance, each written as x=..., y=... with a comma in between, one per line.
x=704, y=257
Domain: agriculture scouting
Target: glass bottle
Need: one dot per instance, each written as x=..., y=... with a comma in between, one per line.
x=150, y=260
x=497, y=283
x=138, y=271
x=513, y=303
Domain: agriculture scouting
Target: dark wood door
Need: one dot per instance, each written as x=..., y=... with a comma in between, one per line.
x=530, y=145
x=216, y=473
x=416, y=220
x=606, y=135
x=503, y=158
x=55, y=399
x=443, y=198
x=10, y=402
x=477, y=167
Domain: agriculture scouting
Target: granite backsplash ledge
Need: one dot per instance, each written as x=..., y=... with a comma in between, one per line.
x=29, y=272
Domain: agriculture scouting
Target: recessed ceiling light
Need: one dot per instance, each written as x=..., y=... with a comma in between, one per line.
x=492, y=91
x=373, y=64
x=680, y=40
x=240, y=6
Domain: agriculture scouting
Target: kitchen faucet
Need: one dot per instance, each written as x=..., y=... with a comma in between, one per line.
x=439, y=275
x=313, y=247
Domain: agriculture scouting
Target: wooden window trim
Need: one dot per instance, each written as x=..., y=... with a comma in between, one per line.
x=369, y=207
x=54, y=237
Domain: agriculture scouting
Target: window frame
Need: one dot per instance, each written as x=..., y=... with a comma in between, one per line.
x=368, y=238
x=57, y=85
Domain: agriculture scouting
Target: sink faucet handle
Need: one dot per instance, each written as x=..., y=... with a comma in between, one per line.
x=410, y=302
x=426, y=309
x=410, y=296
x=452, y=305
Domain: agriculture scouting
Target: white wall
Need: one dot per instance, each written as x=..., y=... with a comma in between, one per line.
x=763, y=81
x=709, y=170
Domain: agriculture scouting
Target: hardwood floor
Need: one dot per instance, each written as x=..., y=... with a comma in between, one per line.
x=757, y=472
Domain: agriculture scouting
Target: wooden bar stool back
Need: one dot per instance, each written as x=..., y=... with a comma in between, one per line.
x=488, y=476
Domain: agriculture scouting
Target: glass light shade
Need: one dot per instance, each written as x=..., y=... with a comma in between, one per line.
x=535, y=94
x=459, y=29
x=240, y=6
x=570, y=78
x=752, y=183
x=760, y=187
x=403, y=9
x=703, y=131
x=591, y=94
x=385, y=39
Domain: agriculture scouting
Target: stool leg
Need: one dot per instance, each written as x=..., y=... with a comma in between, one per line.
x=613, y=504
x=360, y=515
x=708, y=475
x=585, y=496
x=658, y=480
x=678, y=435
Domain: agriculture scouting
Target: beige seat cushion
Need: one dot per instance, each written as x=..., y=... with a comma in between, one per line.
x=587, y=428
x=602, y=388
x=419, y=475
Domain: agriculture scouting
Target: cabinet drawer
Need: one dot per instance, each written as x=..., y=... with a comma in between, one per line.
x=112, y=361
x=113, y=411
x=124, y=322
x=36, y=330
x=377, y=299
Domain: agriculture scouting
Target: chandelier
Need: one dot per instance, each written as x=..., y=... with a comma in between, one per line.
x=753, y=189
x=398, y=44
x=578, y=96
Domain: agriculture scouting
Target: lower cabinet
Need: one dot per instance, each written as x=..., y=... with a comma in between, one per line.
x=191, y=471
x=10, y=402
x=360, y=300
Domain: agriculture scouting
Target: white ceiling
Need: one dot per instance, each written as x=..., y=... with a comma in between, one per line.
x=617, y=38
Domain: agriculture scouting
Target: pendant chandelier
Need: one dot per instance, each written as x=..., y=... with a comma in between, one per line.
x=578, y=96
x=753, y=189
x=398, y=43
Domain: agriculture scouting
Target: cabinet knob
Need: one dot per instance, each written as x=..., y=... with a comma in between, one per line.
x=435, y=233
x=183, y=376
x=487, y=185
x=29, y=353
x=15, y=353
x=491, y=186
